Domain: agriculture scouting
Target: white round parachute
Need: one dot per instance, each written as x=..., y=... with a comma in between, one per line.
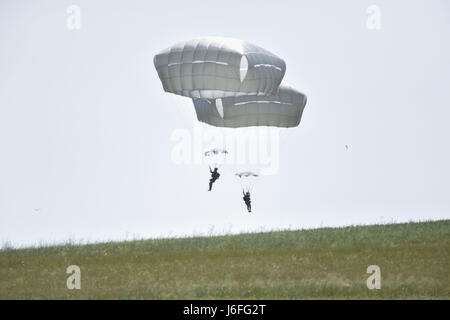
x=246, y=174
x=216, y=157
x=285, y=109
x=216, y=67
x=214, y=152
x=247, y=179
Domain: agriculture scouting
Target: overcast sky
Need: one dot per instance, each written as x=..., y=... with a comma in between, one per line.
x=87, y=134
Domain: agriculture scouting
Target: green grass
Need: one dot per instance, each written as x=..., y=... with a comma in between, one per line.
x=326, y=263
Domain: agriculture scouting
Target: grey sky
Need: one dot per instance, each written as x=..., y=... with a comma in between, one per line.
x=85, y=127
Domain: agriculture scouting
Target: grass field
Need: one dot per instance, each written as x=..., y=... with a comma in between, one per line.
x=327, y=263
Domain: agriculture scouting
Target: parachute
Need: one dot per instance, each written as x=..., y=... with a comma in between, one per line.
x=281, y=110
x=217, y=67
x=216, y=157
x=215, y=152
x=247, y=174
x=232, y=83
x=247, y=180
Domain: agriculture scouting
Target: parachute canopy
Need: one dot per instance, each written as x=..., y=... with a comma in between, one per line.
x=214, y=152
x=246, y=174
x=216, y=157
x=247, y=179
x=285, y=109
x=215, y=67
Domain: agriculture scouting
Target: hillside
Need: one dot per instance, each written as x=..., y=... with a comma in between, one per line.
x=326, y=263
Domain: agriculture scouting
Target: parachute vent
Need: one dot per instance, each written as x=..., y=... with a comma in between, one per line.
x=243, y=68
